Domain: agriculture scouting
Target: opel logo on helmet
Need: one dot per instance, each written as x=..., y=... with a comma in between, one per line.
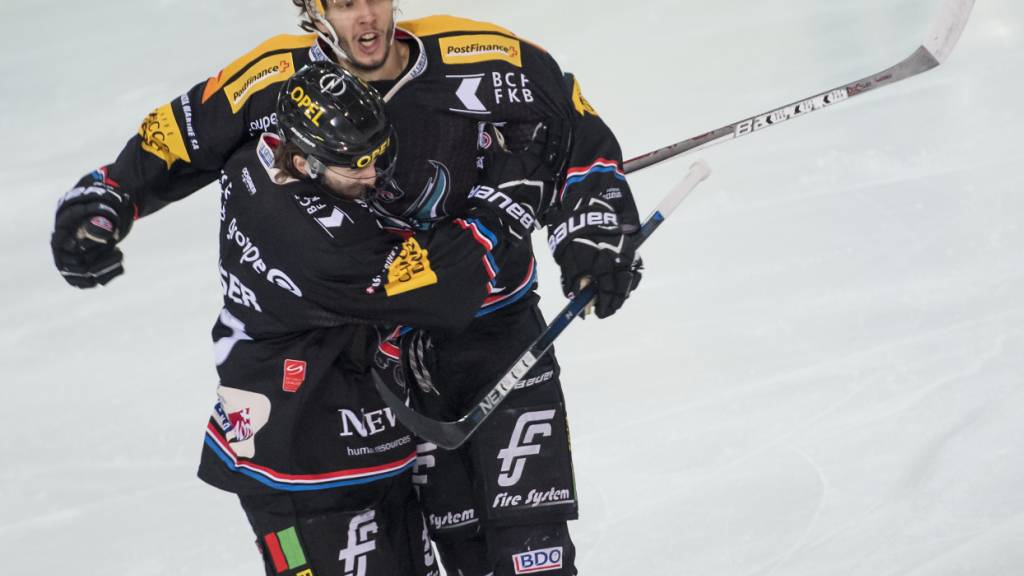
x=333, y=85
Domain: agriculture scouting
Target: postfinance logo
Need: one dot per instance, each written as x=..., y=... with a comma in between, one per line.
x=270, y=70
x=481, y=48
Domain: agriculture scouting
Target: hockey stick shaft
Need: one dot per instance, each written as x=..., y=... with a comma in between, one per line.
x=451, y=435
x=942, y=37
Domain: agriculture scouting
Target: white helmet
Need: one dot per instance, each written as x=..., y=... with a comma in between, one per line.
x=317, y=14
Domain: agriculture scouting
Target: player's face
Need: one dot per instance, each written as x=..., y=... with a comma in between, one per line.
x=365, y=30
x=350, y=183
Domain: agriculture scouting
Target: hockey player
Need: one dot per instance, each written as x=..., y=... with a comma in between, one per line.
x=320, y=464
x=441, y=77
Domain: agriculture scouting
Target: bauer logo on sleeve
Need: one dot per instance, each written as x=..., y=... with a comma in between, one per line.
x=410, y=270
x=481, y=48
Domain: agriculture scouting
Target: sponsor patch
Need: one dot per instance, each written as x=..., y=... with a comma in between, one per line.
x=251, y=255
x=247, y=180
x=481, y=48
x=525, y=442
x=221, y=417
x=270, y=70
x=294, y=375
x=266, y=154
x=453, y=519
x=362, y=541
x=582, y=106
x=285, y=550
x=366, y=424
x=410, y=270
x=311, y=108
x=241, y=424
x=366, y=160
x=186, y=110
x=162, y=137
x=102, y=223
x=247, y=413
x=233, y=289
x=536, y=561
x=263, y=124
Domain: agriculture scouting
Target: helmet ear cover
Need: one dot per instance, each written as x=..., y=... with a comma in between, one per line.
x=314, y=167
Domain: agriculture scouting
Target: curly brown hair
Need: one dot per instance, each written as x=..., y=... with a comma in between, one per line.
x=305, y=23
x=284, y=160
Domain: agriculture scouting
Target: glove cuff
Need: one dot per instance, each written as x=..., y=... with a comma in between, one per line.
x=110, y=199
x=588, y=223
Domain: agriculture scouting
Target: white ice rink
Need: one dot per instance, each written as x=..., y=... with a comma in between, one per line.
x=822, y=373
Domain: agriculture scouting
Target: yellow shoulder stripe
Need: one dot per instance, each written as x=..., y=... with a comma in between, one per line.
x=277, y=43
x=433, y=25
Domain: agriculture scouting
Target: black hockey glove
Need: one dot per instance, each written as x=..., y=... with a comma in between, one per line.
x=516, y=186
x=591, y=246
x=91, y=219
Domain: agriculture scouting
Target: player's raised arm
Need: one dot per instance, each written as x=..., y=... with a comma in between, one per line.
x=178, y=148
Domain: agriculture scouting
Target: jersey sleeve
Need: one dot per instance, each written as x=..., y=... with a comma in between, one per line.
x=592, y=163
x=434, y=280
x=182, y=145
x=594, y=166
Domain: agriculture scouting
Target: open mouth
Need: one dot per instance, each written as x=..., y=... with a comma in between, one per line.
x=369, y=41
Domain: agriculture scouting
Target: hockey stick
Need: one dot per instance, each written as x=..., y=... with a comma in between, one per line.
x=451, y=435
x=941, y=39
x=936, y=48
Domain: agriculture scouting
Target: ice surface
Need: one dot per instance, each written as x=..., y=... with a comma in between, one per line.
x=821, y=374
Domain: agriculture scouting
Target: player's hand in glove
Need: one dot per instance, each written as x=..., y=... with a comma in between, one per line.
x=609, y=262
x=516, y=186
x=91, y=219
x=592, y=247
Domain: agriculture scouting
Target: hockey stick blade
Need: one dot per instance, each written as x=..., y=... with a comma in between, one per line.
x=942, y=37
x=451, y=435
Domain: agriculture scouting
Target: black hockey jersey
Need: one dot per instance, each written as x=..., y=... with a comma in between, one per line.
x=307, y=278
x=460, y=73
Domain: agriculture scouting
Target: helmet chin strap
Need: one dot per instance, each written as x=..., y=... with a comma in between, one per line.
x=316, y=12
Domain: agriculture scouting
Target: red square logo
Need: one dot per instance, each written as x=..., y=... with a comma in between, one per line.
x=294, y=375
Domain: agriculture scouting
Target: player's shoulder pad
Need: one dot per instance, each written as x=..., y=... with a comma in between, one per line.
x=442, y=24
x=269, y=63
x=465, y=41
x=579, y=102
